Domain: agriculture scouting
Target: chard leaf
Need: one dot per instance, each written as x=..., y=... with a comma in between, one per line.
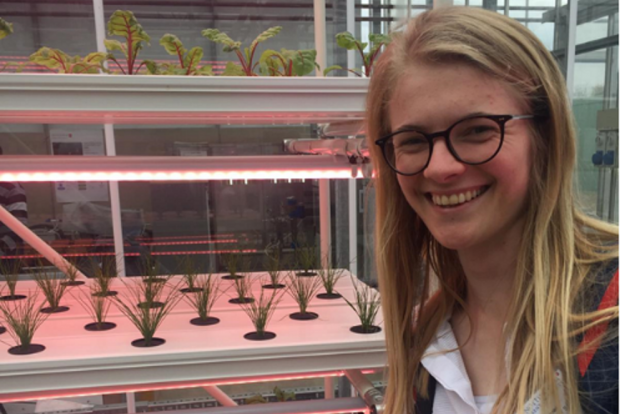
x=331, y=68
x=233, y=69
x=173, y=45
x=123, y=23
x=206, y=70
x=95, y=58
x=6, y=28
x=347, y=41
x=304, y=61
x=113, y=45
x=219, y=37
x=152, y=68
x=52, y=58
x=380, y=38
x=270, y=63
x=192, y=59
x=267, y=34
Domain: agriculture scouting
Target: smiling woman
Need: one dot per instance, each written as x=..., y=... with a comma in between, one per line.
x=487, y=205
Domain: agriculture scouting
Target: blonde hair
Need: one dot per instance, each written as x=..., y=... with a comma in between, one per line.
x=560, y=244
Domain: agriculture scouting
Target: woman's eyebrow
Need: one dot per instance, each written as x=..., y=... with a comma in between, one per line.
x=422, y=128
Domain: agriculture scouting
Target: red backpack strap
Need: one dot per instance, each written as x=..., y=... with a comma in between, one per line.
x=588, y=343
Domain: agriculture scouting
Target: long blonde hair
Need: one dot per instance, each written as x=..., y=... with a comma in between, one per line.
x=560, y=243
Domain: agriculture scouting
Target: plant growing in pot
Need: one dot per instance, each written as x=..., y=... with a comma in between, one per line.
x=142, y=314
x=22, y=319
x=10, y=273
x=124, y=24
x=232, y=261
x=272, y=264
x=97, y=306
x=151, y=270
x=190, y=275
x=243, y=289
x=260, y=310
x=246, y=58
x=302, y=290
x=203, y=299
x=288, y=62
x=306, y=257
x=103, y=274
x=366, y=305
x=71, y=272
x=348, y=41
x=53, y=289
x=329, y=277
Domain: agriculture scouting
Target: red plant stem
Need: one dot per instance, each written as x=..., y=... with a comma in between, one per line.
x=130, y=58
x=246, y=69
x=86, y=67
x=191, y=63
x=363, y=60
x=139, y=67
x=118, y=64
x=180, y=56
x=290, y=68
x=252, y=55
x=59, y=60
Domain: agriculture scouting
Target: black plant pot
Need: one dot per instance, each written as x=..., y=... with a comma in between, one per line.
x=272, y=286
x=204, y=322
x=191, y=290
x=240, y=301
x=329, y=296
x=57, y=309
x=306, y=274
x=12, y=297
x=153, y=305
x=255, y=336
x=72, y=283
x=304, y=316
x=231, y=277
x=108, y=293
x=98, y=327
x=155, y=280
x=2, y=330
x=360, y=329
x=30, y=349
x=141, y=343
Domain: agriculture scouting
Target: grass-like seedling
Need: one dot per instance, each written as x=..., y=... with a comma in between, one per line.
x=151, y=270
x=22, y=319
x=232, y=261
x=203, y=299
x=71, y=272
x=103, y=277
x=142, y=314
x=273, y=262
x=366, y=305
x=9, y=268
x=243, y=288
x=190, y=274
x=306, y=258
x=260, y=310
x=53, y=289
x=302, y=290
x=329, y=277
x=97, y=306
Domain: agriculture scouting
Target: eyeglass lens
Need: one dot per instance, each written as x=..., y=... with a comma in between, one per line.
x=474, y=140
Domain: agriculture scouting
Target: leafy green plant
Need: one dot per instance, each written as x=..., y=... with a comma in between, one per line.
x=58, y=61
x=6, y=28
x=53, y=289
x=272, y=263
x=366, y=305
x=302, y=290
x=288, y=62
x=22, y=320
x=260, y=310
x=203, y=299
x=279, y=394
x=329, y=277
x=246, y=58
x=103, y=277
x=10, y=273
x=97, y=307
x=349, y=42
x=306, y=257
x=123, y=23
x=190, y=274
x=139, y=309
x=188, y=60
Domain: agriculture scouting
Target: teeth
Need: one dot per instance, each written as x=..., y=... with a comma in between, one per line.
x=455, y=199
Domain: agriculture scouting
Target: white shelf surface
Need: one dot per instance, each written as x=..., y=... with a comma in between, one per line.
x=76, y=361
x=77, y=99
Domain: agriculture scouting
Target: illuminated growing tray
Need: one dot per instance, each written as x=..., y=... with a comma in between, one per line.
x=76, y=361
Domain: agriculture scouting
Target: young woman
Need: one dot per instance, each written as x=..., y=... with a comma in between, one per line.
x=473, y=141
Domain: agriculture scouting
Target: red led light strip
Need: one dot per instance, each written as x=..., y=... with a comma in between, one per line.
x=33, y=256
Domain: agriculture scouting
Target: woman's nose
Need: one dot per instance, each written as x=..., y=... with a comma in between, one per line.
x=442, y=166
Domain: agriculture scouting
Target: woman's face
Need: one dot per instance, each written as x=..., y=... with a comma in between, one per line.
x=435, y=96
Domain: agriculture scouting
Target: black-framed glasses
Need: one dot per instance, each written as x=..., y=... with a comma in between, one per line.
x=473, y=140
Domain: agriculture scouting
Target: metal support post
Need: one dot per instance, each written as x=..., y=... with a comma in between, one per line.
x=220, y=396
x=570, y=46
x=329, y=387
x=131, y=402
x=367, y=391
